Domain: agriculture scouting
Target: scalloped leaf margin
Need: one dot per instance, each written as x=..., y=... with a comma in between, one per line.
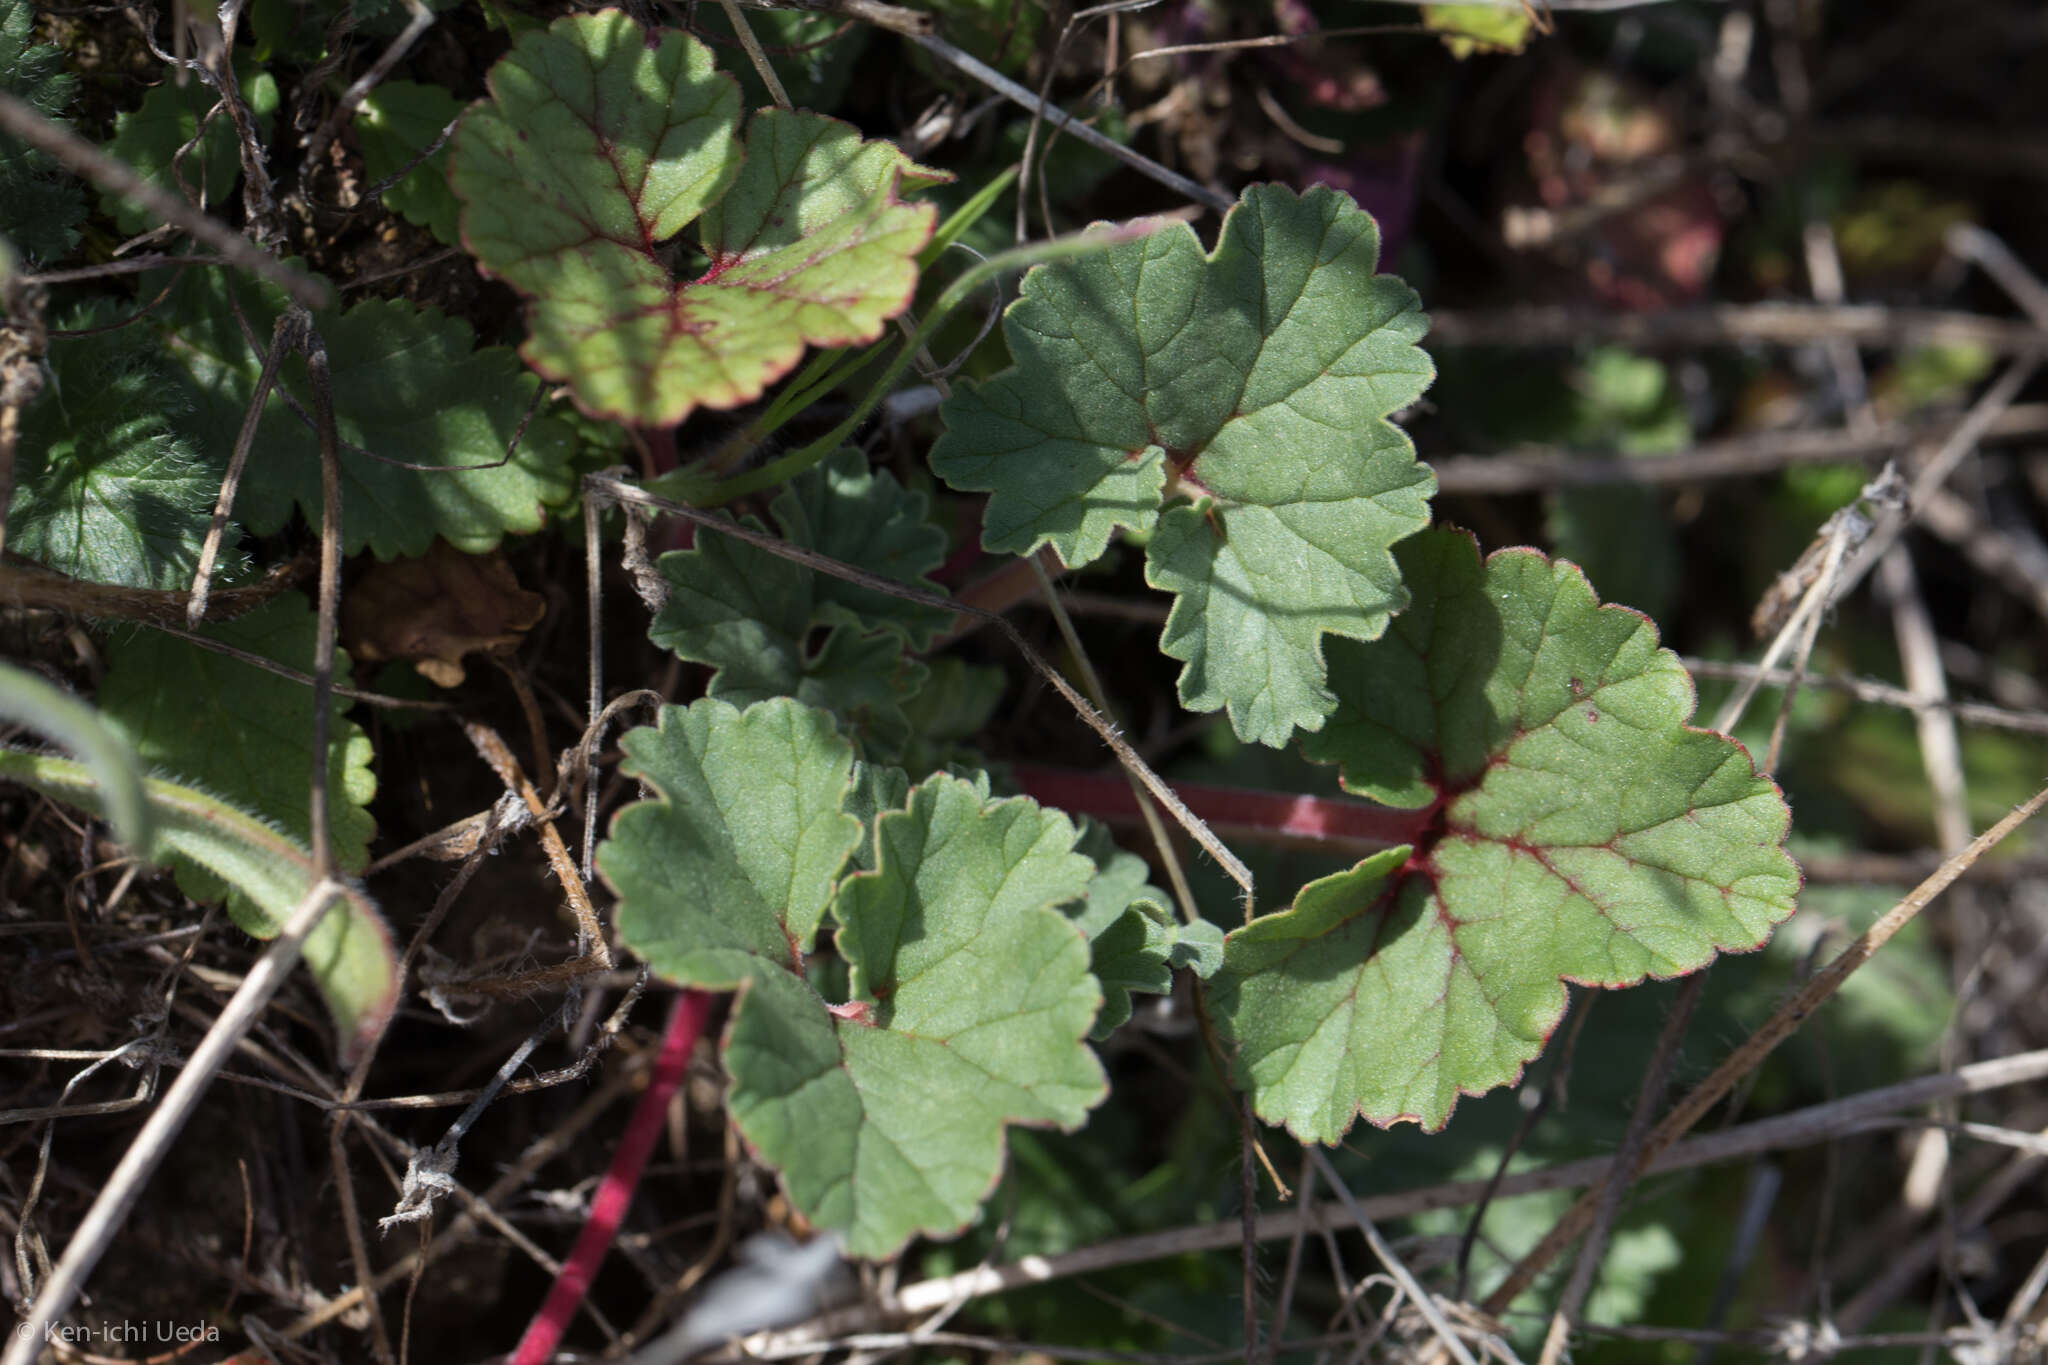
x=595, y=148
x=971, y=996
x=1251, y=388
x=1575, y=829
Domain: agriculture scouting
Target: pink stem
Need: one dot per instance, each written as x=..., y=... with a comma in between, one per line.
x=1326, y=820
x=608, y=1206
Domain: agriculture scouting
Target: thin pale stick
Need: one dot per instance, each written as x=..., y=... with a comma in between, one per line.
x=619, y=490
x=344, y=109
x=1733, y=324
x=1065, y=122
x=1424, y=1303
x=1810, y=607
x=1759, y=1044
x=1802, y=1127
x=18, y=120
x=494, y=752
x=1656, y=1077
x=329, y=599
x=1877, y=693
x=752, y=47
x=96, y=1231
x=1283, y=1308
x=1737, y=457
x=283, y=337
x=1934, y=473
x=1092, y=681
x=269, y=665
x=911, y=23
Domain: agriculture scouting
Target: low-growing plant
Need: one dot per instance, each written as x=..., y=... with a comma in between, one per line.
x=924, y=956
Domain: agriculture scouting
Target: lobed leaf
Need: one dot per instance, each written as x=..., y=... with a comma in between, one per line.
x=410, y=387
x=1252, y=386
x=108, y=487
x=1576, y=829
x=971, y=990
x=751, y=615
x=597, y=146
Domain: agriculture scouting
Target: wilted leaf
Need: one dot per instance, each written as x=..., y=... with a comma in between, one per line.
x=434, y=610
x=595, y=148
x=1574, y=828
x=1255, y=383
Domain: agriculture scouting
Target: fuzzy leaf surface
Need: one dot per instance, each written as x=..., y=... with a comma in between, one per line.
x=411, y=386
x=594, y=149
x=349, y=953
x=241, y=732
x=1576, y=829
x=108, y=489
x=750, y=614
x=41, y=206
x=971, y=990
x=1250, y=387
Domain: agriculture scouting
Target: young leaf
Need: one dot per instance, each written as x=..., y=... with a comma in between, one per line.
x=1256, y=382
x=1575, y=829
x=409, y=386
x=107, y=488
x=750, y=614
x=40, y=205
x=395, y=123
x=350, y=953
x=595, y=148
x=972, y=994
x=1134, y=942
x=26, y=699
x=242, y=732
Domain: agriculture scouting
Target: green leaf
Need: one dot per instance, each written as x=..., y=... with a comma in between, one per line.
x=750, y=614
x=1134, y=942
x=972, y=995
x=1479, y=28
x=107, y=489
x=728, y=875
x=40, y=206
x=396, y=122
x=349, y=953
x=1575, y=829
x=595, y=148
x=150, y=137
x=26, y=699
x=242, y=732
x=1256, y=382
x=409, y=386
